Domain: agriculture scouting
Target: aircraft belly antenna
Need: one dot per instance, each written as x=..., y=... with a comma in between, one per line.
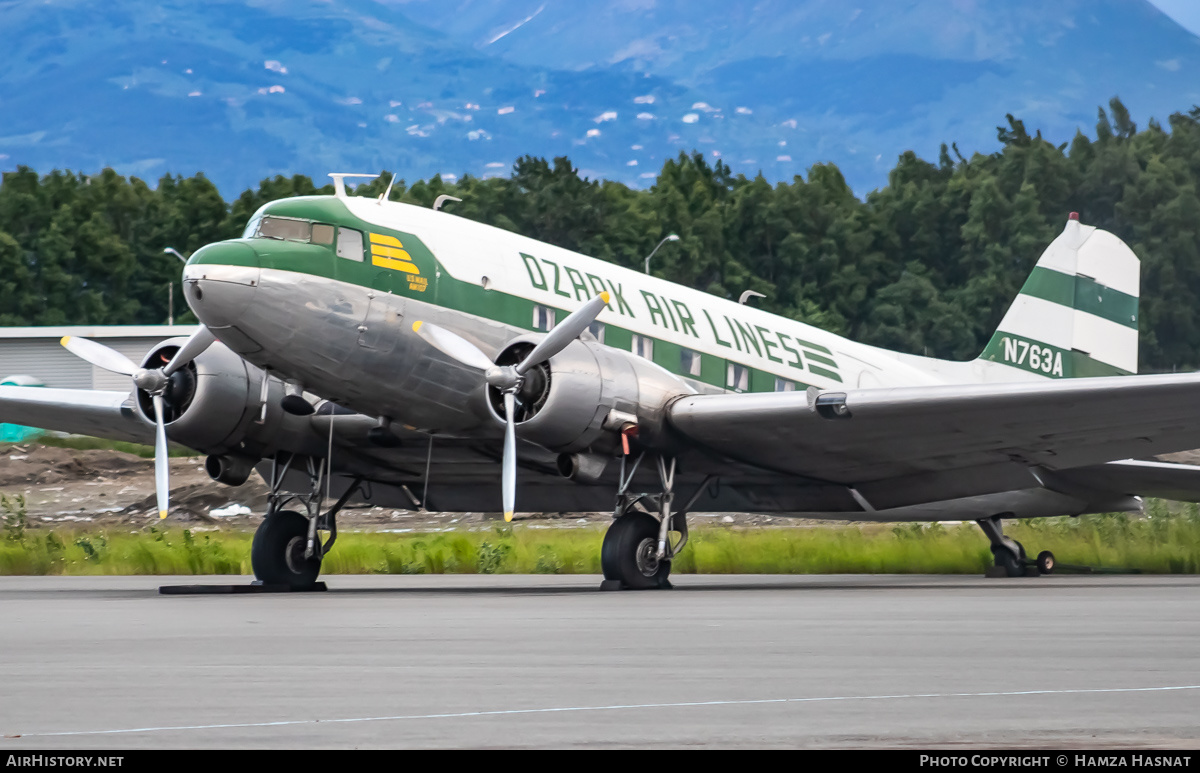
x=339, y=181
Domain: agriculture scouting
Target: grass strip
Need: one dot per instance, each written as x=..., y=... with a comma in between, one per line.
x=1162, y=542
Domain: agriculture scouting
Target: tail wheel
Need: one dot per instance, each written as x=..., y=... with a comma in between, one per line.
x=1012, y=563
x=629, y=553
x=277, y=552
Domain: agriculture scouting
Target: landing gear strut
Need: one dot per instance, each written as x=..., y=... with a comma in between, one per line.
x=1010, y=558
x=637, y=550
x=287, y=547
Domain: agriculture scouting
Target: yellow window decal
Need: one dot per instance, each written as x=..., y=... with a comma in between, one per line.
x=388, y=252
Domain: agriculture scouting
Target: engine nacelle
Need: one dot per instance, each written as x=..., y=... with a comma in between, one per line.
x=213, y=404
x=205, y=401
x=581, y=397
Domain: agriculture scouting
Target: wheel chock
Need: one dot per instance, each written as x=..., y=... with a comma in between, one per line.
x=254, y=587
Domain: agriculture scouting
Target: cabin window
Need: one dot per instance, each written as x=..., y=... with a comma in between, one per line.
x=642, y=346
x=785, y=385
x=737, y=377
x=322, y=234
x=689, y=362
x=543, y=318
x=285, y=229
x=597, y=330
x=349, y=244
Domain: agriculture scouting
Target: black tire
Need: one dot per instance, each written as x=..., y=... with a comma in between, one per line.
x=1012, y=563
x=277, y=552
x=1045, y=562
x=628, y=553
x=1021, y=549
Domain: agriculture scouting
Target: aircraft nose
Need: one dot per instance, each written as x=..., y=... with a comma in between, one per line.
x=220, y=281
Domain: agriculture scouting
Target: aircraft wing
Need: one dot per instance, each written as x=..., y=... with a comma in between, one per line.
x=80, y=411
x=911, y=445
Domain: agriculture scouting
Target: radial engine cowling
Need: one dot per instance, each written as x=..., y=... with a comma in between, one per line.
x=209, y=402
x=577, y=399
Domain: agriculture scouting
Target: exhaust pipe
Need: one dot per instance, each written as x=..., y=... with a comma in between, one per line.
x=230, y=470
x=582, y=468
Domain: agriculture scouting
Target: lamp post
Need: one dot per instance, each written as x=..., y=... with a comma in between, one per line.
x=171, y=287
x=667, y=238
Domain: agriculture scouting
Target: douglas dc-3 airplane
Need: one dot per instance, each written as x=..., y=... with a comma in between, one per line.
x=358, y=348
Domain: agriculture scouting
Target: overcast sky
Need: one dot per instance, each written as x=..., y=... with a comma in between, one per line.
x=1186, y=12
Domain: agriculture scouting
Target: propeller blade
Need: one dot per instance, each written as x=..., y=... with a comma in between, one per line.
x=99, y=355
x=564, y=333
x=508, y=480
x=452, y=345
x=162, y=487
x=191, y=349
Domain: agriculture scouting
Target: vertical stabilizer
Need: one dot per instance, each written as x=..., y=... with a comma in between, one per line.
x=1077, y=314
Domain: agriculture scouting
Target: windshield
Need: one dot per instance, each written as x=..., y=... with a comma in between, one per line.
x=282, y=228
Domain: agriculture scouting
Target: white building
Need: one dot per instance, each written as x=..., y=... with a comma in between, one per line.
x=38, y=352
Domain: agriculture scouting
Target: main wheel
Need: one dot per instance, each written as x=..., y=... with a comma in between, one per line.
x=277, y=552
x=629, y=550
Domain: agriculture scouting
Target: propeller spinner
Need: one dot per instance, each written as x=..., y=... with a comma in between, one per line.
x=509, y=378
x=155, y=382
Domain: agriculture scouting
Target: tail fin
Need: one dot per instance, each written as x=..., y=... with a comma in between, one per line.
x=1077, y=314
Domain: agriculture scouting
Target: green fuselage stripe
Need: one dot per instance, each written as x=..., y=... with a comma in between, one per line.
x=1083, y=294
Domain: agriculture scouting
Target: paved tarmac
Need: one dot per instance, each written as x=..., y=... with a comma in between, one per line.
x=536, y=661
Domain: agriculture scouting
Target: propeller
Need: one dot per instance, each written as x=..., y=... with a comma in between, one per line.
x=509, y=378
x=155, y=381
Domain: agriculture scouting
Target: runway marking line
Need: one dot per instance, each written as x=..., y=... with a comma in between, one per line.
x=615, y=707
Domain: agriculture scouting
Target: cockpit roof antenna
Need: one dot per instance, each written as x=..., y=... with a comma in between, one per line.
x=384, y=196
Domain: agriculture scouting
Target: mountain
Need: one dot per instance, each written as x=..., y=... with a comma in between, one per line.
x=242, y=89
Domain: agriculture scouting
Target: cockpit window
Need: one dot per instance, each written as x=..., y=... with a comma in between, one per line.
x=251, y=228
x=288, y=230
x=322, y=234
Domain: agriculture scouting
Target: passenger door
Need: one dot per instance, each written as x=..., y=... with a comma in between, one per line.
x=385, y=313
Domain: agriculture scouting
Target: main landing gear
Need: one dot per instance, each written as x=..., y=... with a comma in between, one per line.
x=637, y=550
x=1010, y=558
x=287, y=548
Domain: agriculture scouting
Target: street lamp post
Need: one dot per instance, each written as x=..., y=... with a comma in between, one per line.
x=667, y=238
x=171, y=287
